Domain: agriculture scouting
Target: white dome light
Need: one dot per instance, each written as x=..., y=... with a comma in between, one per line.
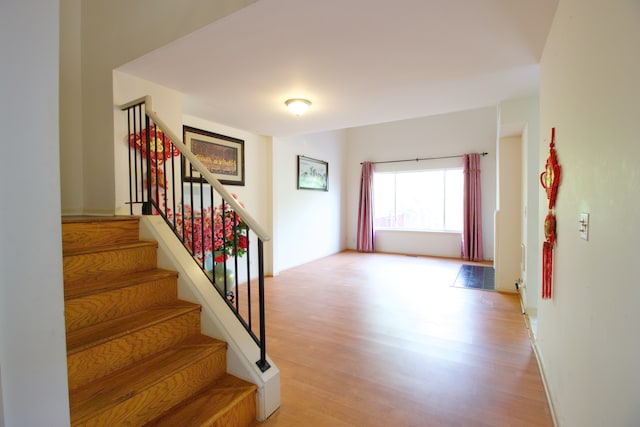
x=298, y=105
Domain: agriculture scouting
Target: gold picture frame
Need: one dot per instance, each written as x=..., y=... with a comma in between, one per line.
x=222, y=155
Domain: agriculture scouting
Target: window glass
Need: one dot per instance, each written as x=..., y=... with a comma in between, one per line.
x=420, y=200
x=454, y=189
x=384, y=199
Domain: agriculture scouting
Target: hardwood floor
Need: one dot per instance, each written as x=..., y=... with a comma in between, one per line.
x=384, y=340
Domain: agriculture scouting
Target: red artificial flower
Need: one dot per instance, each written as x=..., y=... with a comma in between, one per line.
x=229, y=232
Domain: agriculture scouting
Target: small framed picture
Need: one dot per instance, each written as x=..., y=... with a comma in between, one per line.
x=222, y=155
x=312, y=174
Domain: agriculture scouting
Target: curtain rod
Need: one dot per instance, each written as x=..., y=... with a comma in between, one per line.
x=423, y=158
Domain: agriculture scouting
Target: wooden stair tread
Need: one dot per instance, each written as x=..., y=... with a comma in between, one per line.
x=97, y=284
x=87, y=218
x=209, y=405
x=82, y=232
x=102, y=332
x=134, y=351
x=106, y=248
x=109, y=391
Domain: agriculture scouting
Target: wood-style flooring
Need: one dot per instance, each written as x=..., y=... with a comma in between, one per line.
x=384, y=340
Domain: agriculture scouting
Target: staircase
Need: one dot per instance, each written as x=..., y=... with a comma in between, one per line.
x=135, y=354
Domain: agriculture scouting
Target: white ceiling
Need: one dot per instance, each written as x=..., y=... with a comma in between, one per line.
x=360, y=62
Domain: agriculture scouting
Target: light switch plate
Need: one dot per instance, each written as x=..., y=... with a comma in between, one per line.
x=583, y=226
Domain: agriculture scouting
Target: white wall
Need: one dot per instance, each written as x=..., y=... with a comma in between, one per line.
x=308, y=224
x=442, y=135
x=33, y=360
x=588, y=333
x=112, y=33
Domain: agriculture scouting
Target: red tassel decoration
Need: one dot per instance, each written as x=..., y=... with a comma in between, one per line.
x=547, y=254
x=550, y=180
x=547, y=269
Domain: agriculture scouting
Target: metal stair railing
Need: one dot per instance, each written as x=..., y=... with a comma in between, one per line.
x=167, y=179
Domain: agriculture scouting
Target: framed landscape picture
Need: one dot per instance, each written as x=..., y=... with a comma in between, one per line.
x=312, y=174
x=222, y=155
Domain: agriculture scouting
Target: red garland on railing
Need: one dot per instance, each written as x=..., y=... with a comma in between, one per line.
x=550, y=180
x=161, y=150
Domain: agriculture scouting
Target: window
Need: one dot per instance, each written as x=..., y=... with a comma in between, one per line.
x=419, y=200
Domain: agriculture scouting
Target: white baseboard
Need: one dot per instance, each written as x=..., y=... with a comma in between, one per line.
x=536, y=352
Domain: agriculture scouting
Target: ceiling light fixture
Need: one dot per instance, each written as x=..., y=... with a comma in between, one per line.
x=297, y=105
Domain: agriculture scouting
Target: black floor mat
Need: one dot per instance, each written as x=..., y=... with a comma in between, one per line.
x=476, y=277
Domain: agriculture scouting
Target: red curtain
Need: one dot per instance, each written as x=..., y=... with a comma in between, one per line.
x=365, y=209
x=472, y=216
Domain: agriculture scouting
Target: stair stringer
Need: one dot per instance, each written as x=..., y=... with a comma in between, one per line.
x=217, y=320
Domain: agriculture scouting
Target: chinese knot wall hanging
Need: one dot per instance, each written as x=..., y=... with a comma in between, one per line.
x=550, y=180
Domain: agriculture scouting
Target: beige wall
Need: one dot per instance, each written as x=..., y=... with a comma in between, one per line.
x=523, y=114
x=112, y=33
x=588, y=332
x=441, y=135
x=257, y=191
x=71, y=162
x=508, y=219
x=166, y=102
x=308, y=224
x=33, y=359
